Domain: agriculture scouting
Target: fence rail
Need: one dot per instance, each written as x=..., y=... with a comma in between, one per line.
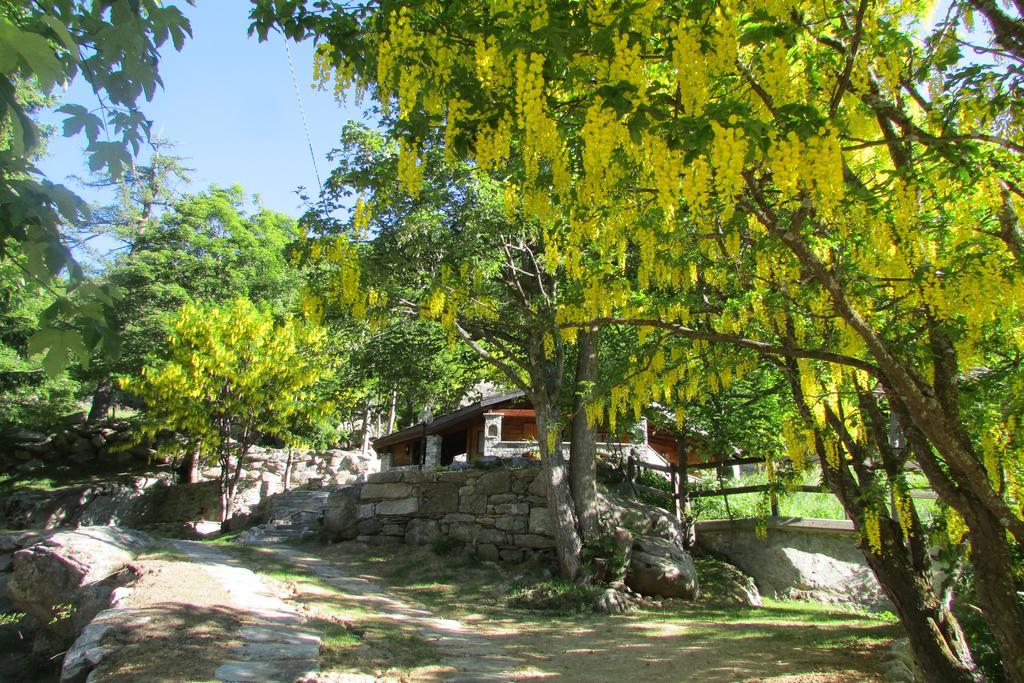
x=681, y=492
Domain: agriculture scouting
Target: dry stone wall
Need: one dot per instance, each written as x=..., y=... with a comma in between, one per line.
x=501, y=513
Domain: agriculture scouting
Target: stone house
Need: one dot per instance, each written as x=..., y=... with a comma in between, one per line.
x=503, y=425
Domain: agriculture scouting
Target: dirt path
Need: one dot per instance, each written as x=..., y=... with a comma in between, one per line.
x=474, y=657
x=197, y=614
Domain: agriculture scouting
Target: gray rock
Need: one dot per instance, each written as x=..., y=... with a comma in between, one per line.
x=473, y=504
x=534, y=541
x=284, y=671
x=422, y=531
x=659, y=567
x=439, y=499
x=513, y=554
x=512, y=509
x=488, y=552
x=497, y=481
x=300, y=649
x=404, y=506
x=538, y=487
x=89, y=649
x=474, y=534
x=386, y=477
x=342, y=514
x=511, y=523
x=540, y=521
x=66, y=579
x=613, y=601
x=386, y=491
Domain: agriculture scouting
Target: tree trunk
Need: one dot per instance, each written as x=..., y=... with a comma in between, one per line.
x=188, y=471
x=366, y=429
x=392, y=411
x=583, y=446
x=931, y=409
x=934, y=634
x=935, y=637
x=567, y=538
x=288, y=470
x=996, y=589
x=102, y=399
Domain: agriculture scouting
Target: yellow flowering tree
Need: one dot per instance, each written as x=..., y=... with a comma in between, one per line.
x=835, y=185
x=452, y=259
x=232, y=375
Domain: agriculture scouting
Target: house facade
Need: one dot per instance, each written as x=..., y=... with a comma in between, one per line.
x=503, y=425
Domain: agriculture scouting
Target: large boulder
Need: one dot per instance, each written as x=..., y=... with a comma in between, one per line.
x=66, y=579
x=641, y=519
x=660, y=567
x=341, y=518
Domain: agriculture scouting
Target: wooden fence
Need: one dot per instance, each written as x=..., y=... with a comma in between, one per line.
x=681, y=493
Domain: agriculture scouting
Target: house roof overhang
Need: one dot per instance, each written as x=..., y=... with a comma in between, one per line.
x=442, y=422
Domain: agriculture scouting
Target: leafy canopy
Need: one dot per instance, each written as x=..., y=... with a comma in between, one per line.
x=232, y=374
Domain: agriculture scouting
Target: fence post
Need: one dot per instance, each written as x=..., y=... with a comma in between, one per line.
x=681, y=491
x=630, y=468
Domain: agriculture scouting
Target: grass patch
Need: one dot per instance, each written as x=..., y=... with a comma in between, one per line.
x=542, y=622
x=556, y=596
x=353, y=638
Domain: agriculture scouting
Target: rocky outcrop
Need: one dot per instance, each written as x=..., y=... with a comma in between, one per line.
x=117, y=500
x=64, y=580
x=76, y=442
x=639, y=518
x=798, y=559
x=722, y=583
x=661, y=567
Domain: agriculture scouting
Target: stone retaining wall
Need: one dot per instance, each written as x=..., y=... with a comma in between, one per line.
x=501, y=513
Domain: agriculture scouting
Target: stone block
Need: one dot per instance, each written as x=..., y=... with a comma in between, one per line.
x=540, y=521
x=422, y=531
x=497, y=481
x=538, y=487
x=365, y=511
x=534, y=541
x=385, y=477
x=475, y=534
x=368, y=527
x=500, y=498
x=488, y=552
x=511, y=523
x=393, y=530
x=403, y=506
x=459, y=517
x=473, y=504
x=485, y=521
x=387, y=491
x=454, y=478
x=512, y=555
x=512, y=509
x=438, y=499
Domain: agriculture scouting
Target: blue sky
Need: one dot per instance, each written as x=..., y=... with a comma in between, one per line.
x=229, y=104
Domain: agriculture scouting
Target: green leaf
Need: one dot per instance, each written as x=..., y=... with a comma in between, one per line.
x=35, y=53
x=55, y=361
x=63, y=35
x=42, y=340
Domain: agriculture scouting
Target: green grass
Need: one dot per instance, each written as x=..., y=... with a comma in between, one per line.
x=797, y=504
x=556, y=596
